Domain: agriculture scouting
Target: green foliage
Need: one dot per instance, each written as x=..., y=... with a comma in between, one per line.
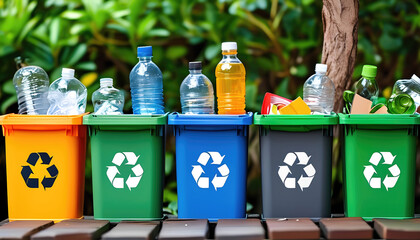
x=279, y=42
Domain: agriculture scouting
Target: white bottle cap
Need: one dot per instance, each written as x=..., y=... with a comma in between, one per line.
x=226, y=46
x=105, y=82
x=415, y=78
x=322, y=68
x=67, y=72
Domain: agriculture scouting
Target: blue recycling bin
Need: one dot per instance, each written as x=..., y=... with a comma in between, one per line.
x=211, y=162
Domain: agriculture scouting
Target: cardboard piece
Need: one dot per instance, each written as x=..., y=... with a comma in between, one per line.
x=298, y=106
x=360, y=105
x=382, y=110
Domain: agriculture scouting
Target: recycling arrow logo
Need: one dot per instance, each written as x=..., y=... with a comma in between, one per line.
x=284, y=170
x=132, y=180
x=217, y=181
x=369, y=171
x=47, y=181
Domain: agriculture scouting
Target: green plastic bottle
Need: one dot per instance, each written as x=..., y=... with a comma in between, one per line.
x=401, y=104
x=367, y=86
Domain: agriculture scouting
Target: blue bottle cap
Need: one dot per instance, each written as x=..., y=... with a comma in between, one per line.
x=145, y=51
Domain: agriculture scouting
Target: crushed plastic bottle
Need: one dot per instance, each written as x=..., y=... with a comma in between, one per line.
x=366, y=86
x=319, y=91
x=408, y=86
x=146, y=84
x=401, y=104
x=197, y=95
x=108, y=100
x=67, y=95
x=31, y=84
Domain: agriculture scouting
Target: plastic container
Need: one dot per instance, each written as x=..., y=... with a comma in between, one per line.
x=230, y=81
x=146, y=84
x=379, y=165
x=196, y=91
x=366, y=86
x=127, y=166
x=108, y=100
x=319, y=91
x=45, y=166
x=211, y=163
x=408, y=86
x=296, y=164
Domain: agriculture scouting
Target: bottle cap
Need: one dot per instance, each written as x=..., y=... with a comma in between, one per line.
x=415, y=78
x=105, y=82
x=226, y=46
x=321, y=68
x=145, y=51
x=369, y=71
x=195, y=65
x=67, y=72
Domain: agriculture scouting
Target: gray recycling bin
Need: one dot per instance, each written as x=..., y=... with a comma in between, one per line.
x=296, y=152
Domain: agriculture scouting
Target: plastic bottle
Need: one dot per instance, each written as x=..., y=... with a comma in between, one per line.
x=408, y=86
x=367, y=86
x=31, y=84
x=197, y=95
x=319, y=91
x=108, y=100
x=67, y=95
x=230, y=81
x=146, y=84
x=401, y=104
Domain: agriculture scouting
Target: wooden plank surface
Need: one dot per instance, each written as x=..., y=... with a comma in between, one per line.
x=81, y=229
x=184, y=229
x=22, y=229
x=245, y=229
x=301, y=228
x=398, y=229
x=133, y=231
x=345, y=228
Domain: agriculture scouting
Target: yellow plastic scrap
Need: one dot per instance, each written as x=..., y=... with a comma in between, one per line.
x=298, y=106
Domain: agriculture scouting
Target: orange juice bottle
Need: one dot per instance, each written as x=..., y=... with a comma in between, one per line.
x=230, y=81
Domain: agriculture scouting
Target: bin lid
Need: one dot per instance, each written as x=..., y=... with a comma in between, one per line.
x=379, y=119
x=209, y=119
x=125, y=119
x=21, y=119
x=295, y=120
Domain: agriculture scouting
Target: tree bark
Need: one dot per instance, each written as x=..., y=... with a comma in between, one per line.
x=340, y=22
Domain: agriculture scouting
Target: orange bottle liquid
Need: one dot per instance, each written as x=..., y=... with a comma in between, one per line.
x=230, y=81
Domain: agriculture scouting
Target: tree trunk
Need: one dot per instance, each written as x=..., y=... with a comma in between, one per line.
x=340, y=20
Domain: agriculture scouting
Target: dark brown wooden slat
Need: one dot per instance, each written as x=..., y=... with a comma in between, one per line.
x=133, y=231
x=22, y=229
x=397, y=229
x=74, y=229
x=184, y=229
x=245, y=229
x=345, y=228
x=302, y=228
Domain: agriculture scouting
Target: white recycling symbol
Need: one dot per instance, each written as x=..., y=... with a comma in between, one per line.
x=217, y=181
x=284, y=171
x=132, y=181
x=389, y=181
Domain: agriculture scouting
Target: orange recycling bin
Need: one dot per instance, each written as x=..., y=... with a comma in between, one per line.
x=45, y=166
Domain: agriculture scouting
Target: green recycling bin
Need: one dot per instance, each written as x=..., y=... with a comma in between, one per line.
x=379, y=165
x=127, y=165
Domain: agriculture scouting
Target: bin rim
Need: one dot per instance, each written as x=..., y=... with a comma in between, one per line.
x=295, y=120
x=379, y=119
x=209, y=119
x=125, y=119
x=21, y=119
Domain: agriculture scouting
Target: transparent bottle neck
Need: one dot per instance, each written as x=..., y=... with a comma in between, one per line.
x=195, y=71
x=145, y=59
x=230, y=55
x=320, y=73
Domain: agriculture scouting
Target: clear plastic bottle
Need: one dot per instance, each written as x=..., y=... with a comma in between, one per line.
x=319, y=91
x=230, y=81
x=146, y=84
x=197, y=95
x=408, y=86
x=108, y=100
x=31, y=84
x=367, y=86
x=67, y=95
